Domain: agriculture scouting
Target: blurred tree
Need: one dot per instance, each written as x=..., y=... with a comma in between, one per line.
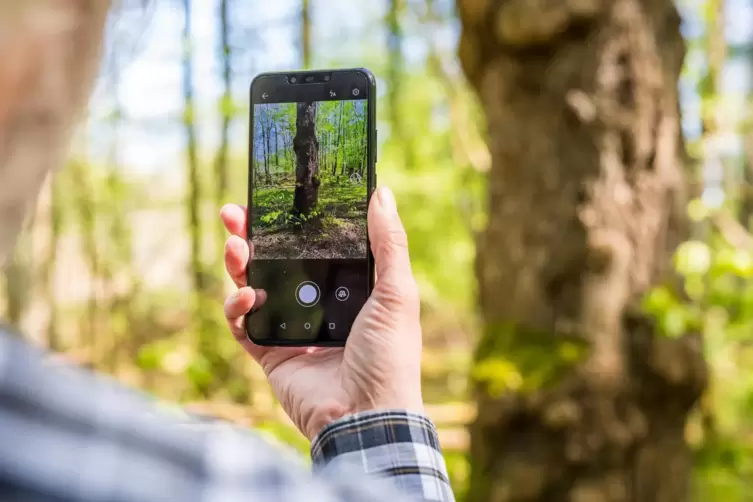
x=56, y=222
x=18, y=281
x=395, y=77
x=194, y=185
x=118, y=259
x=86, y=208
x=226, y=113
x=580, y=397
x=711, y=110
x=306, y=33
x=746, y=212
x=210, y=368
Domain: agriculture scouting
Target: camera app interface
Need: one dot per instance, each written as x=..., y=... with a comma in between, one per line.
x=308, y=218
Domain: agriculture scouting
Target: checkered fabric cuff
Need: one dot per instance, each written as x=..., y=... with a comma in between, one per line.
x=395, y=444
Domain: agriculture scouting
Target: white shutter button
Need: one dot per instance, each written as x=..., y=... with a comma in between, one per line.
x=307, y=293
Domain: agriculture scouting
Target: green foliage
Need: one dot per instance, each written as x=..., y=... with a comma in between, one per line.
x=724, y=471
x=511, y=357
x=441, y=202
x=339, y=198
x=717, y=301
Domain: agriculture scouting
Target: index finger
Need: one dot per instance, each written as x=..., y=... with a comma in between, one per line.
x=234, y=216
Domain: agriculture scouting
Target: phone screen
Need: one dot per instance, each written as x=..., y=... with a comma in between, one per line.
x=310, y=179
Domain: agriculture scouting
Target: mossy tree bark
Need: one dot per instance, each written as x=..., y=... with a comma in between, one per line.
x=580, y=399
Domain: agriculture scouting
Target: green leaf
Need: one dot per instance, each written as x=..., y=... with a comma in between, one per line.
x=674, y=322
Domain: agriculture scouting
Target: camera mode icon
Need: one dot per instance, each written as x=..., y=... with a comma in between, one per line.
x=342, y=293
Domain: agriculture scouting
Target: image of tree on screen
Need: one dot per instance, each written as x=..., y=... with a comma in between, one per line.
x=310, y=180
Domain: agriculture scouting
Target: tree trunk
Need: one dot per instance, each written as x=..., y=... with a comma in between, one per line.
x=746, y=202
x=268, y=132
x=86, y=207
x=227, y=111
x=579, y=398
x=306, y=147
x=339, y=136
x=277, y=146
x=746, y=209
x=56, y=217
x=264, y=134
x=395, y=60
x=306, y=33
x=18, y=282
x=194, y=196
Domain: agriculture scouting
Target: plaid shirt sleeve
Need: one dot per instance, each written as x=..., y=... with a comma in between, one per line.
x=67, y=436
x=395, y=444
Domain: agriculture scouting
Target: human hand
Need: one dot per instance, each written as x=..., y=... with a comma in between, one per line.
x=380, y=365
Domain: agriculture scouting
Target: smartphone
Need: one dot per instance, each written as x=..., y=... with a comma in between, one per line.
x=312, y=158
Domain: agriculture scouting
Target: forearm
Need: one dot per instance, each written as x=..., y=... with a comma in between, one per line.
x=398, y=445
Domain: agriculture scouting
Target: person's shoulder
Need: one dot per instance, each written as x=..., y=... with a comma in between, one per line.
x=64, y=423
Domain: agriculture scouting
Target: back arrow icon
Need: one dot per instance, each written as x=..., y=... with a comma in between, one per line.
x=264, y=96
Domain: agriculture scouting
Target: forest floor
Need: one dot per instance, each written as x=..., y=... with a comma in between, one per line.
x=337, y=232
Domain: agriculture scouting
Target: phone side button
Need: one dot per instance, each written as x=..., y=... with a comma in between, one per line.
x=376, y=146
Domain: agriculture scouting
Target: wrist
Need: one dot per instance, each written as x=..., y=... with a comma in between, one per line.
x=324, y=416
x=333, y=412
x=408, y=398
x=415, y=407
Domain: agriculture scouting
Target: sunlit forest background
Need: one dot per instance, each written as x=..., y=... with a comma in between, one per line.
x=120, y=269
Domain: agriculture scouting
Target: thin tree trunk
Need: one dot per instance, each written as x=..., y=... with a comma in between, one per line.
x=330, y=154
x=306, y=33
x=579, y=398
x=265, y=143
x=291, y=154
x=346, y=130
x=268, y=129
x=86, y=206
x=194, y=184
x=221, y=160
x=18, y=282
x=286, y=146
x=394, y=66
x=339, y=147
x=323, y=152
x=746, y=211
x=53, y=333
x=218, y=367
x=746, y=184
x=306, y=146
x=277, y=146
x=716, y=52
x=119, y=257
x=395, y=76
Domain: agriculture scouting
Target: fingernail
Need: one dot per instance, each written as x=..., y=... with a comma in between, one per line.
x=387, y=201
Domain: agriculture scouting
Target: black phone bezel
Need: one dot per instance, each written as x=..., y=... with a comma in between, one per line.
x=274, y=81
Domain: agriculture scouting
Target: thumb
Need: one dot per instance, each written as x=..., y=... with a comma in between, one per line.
x=389, y=243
